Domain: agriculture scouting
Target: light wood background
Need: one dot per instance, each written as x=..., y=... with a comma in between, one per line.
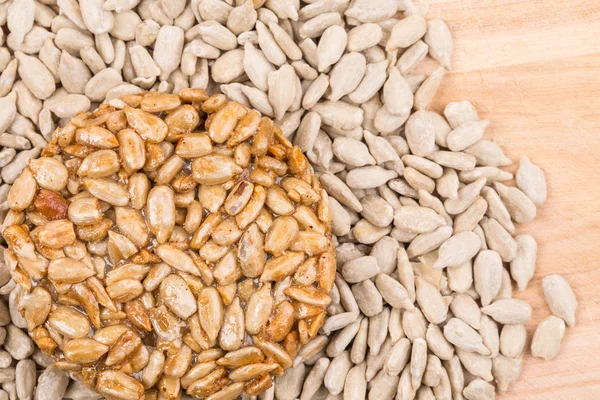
x=532, y=67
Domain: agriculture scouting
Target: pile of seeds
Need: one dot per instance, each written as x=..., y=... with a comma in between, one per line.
x=339, y=77
x=121, y=271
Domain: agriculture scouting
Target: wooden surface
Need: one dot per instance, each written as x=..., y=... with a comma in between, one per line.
x=532, y=67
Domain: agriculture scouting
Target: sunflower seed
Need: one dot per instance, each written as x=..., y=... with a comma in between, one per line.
x=521, y=208
x=406, y=32
x=548, y=337
x=476, y=364
x=522, y=266
x=377, y=331
x=464, y=337
x=440, y=42
x=465, y=308
x=531, y=180
x=457, y=250
x=560, y=298
x=499, y=239
x=508, y=311
x=488, y=153
x=479, y=389
x=487, y=274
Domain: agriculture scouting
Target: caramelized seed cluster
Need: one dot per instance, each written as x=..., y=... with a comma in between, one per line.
x=178, y=243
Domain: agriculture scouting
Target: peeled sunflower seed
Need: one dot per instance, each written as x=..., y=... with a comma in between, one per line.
x=331, y=46
x=521, y=208
x=531, y=180
x=346, y=75
x=547, y=338
x=426, y=92
x=522, y=266
x=508, y=311
x=460, y=111
x=487, y=275
x=406, y=32
x=464, y=337
x=560, y=298
x=440, y=42
x=457, y=250
x=512, y=340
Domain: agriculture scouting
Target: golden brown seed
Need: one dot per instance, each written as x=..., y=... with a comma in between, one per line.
x=250, y=371
x=18, y=240
x=119, y=247
x=99, y=164
x=131, y=150
x=238, y=197
x=160, y=212
x=181, y=121
x=309, y=295
x=118, y=385
x=86, y=299
x=281, y=322
x=155, y=157
x=69, y=322
x=326, y=271
x=131, y=223
x=278, y=201
x=160, y=102
x=210, y=311
x=177, y=296
x=166, y=325
x=67, y=270
x=308, y=219
x=253, y=207
x=198, y=371
x=278, y=268
x=274, y=350
x=214, y=169
x=84, y=350
x=125, y=290
x=178, y=363
x=245, y=129
x=250, y=252
x=190, y=95
x=138, y=189
x=51, y=204
x=310, y=242
x=138, y=315
x=56, y=234
x=207, y=384
x=116, y=121
x=263, y=138
x=148, y=126
x=232, y=333
x=85, y=211
x=35, y=307
x=192, y=145
x=229, y=392
x=226, y=233
x=262, y=177
x=225, y=121
x=107, y=190
x=94, y=233
x=169, y=170
x=281, y=235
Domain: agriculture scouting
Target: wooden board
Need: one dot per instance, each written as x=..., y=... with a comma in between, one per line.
x=532, y=67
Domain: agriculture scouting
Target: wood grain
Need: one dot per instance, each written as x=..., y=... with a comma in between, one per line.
x=532, y=67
